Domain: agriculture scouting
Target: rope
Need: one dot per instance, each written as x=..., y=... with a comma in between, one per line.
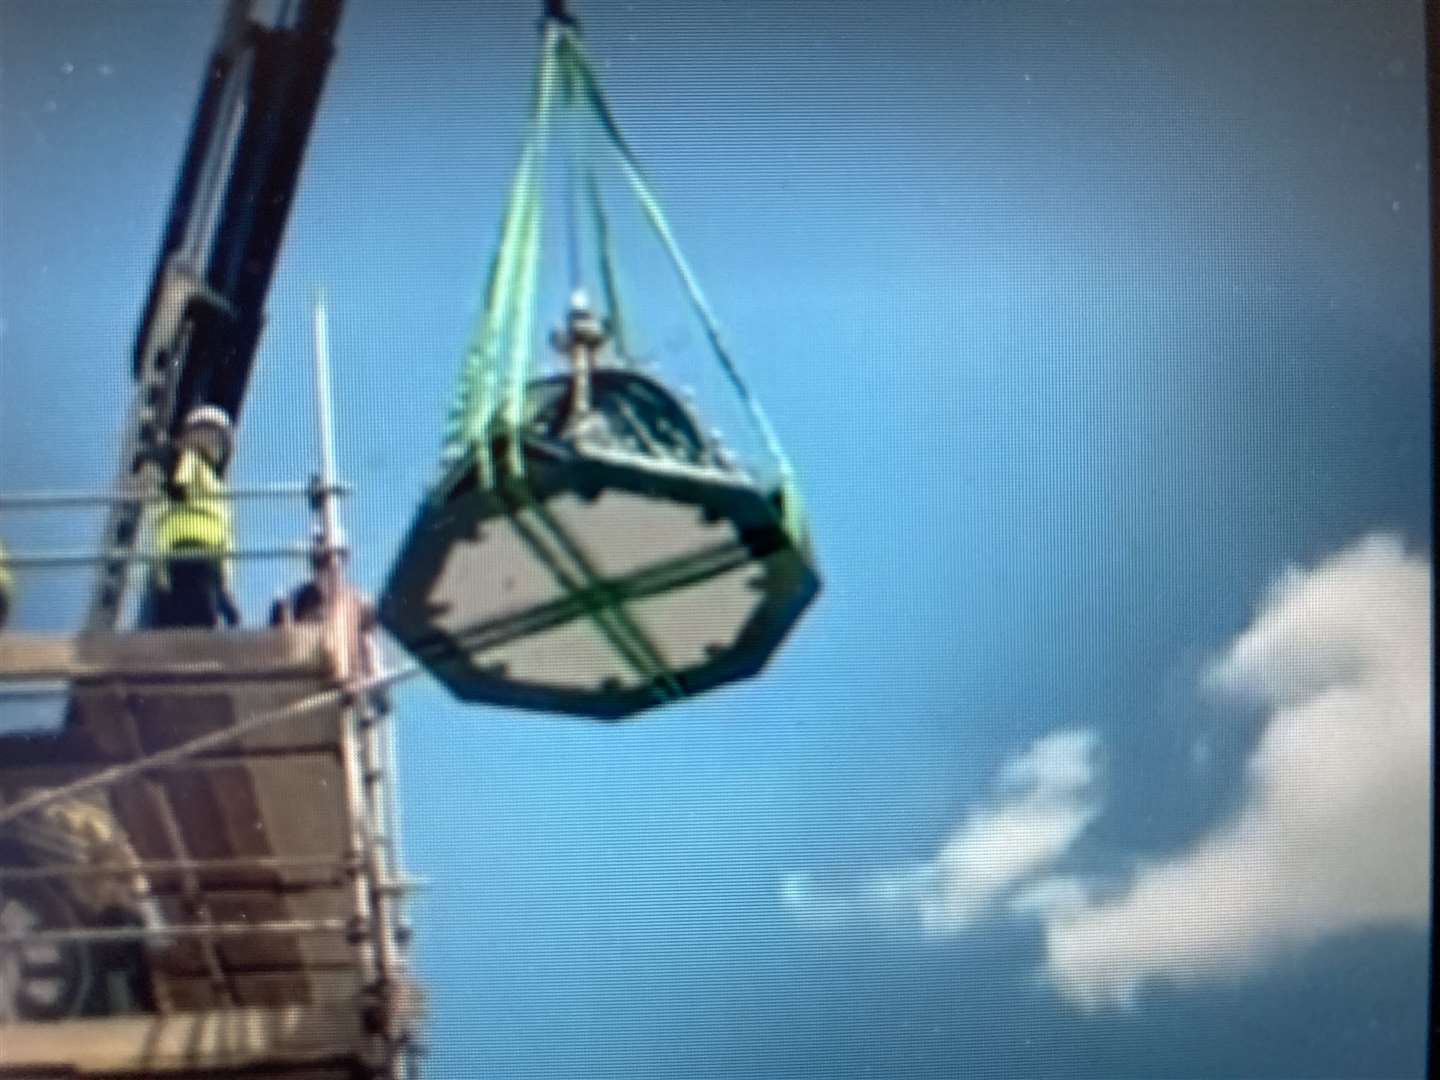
x=609, y=279
x=505, y=336
x=470, y=417
x=574, y=53
x=574, y=272
x=520, y=343
x=613, y=622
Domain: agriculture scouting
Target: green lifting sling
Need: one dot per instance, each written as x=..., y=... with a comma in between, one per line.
x=499, y=478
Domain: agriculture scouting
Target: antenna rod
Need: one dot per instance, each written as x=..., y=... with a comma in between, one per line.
x=331, y=537
x=328, y=554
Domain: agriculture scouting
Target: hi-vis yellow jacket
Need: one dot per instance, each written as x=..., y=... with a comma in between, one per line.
x=200, y=517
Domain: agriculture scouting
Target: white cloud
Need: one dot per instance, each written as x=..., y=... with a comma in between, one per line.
x=1332, y=834
x=1043, y=800
x=813, y=905
x=1334, y=831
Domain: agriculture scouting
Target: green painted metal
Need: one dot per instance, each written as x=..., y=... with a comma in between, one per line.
x=504, y=470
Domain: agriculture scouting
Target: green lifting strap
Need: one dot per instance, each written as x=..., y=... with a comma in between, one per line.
x=503, y=339
x=792, y=508
x=554, y=548
x=620, y=331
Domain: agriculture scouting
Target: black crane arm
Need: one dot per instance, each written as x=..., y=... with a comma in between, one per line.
x=204, y=312
x=228, y=213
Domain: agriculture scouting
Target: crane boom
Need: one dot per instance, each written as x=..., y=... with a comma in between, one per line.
x=204, y=312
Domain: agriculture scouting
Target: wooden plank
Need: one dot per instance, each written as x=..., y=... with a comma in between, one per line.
x=147, y=1045
x=286, y=800
x=169, y=655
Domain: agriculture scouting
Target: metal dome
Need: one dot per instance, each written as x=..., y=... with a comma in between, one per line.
x=620, y=568
x=629, y=412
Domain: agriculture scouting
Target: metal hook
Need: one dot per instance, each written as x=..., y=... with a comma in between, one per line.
x=555, y=11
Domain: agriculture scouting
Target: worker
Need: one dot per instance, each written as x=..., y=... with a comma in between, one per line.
x=306, y=604
x=7, y=586
x=192, y=590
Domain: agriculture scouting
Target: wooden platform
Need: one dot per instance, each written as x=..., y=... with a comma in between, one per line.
x=166, y=655
x=261, y=824
x=314, y=1042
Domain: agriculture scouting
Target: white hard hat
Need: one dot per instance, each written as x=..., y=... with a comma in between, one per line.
x=208, y=414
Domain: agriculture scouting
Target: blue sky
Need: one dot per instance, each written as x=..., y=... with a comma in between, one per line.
x=1097, y=333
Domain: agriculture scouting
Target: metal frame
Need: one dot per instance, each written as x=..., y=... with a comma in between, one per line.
x=203, y=312
x=369, y=870
x=60, y=500
x=81, y=558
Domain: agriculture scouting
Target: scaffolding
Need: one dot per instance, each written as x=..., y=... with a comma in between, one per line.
x=200, y=869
